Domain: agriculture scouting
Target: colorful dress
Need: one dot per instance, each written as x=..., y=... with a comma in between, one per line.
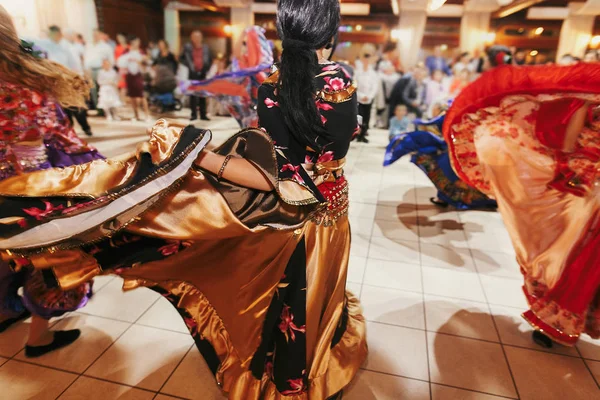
x=238, y=88
x=506, y=133
x=258, y=277
x=36, y=135
x=429, y=152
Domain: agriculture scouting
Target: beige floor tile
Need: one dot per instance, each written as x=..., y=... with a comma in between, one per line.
x=400, y=192
x=20, y=381
x=504, y=291
x=354, y=288
x=362, y=210
x=93, y=389
x=364, y=192
x=515, y=331
x=129, y=360
x=97, y=334
x=480, y=221
x=356, y=269
x=3, y=360
x=393, y=307
x=540, y=375
x=369, y=385
x=362, y=226
x=455, y=284
x=589, y=348
x=192, y=379
x=112, y=302
x=360, y=245
x=469, y=364
x=439, y=392
x=14, y=338
x=452, y=257
x=496, y=240
x=396, y=230
x=394, y=250
x=102, y=281
x=165, y=397
x=459, y=317
x=163, y=315
x=497, y=264
x=396, y=350
x=594, y=367
x=394, y=275
x=404, y=213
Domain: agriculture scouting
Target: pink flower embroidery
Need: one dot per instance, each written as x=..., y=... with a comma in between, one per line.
x=76, y=207
x=287, y=325
x=324, y=106
x=334, y=84
x=332, y=67
x=308, y=160
x=22, y=223
x=325, y=157
x=296, y=176
x=323, y=120
x=296, y=385
x=171, y=248
x=270, y=103
x=269, y=369
x=346, y=73
x=40, y=214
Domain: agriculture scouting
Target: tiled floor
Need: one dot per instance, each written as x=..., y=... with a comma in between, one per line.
x=440, y=290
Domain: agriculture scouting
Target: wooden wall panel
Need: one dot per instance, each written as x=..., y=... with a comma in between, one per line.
x=143, y=18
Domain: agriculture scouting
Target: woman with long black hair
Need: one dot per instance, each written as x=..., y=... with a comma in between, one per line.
x=250, y=243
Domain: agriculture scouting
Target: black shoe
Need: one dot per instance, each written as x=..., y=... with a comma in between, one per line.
x=542, y=340
x=193, y=117
x=205, y=118
x=88, y=132
x=362, y=139
x=61, y=339
x=438, y=202
x=4, y=325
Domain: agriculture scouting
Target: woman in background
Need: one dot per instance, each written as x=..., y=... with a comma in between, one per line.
x=36, y=135
x=133, y=64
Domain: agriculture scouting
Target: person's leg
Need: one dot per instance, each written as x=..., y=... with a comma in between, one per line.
x=364, y=110
x=69, y=113
x=194, y=107
x=202, y=102
x=81, y=116
x=134, y=104
x=146, y=108
x=39, y=332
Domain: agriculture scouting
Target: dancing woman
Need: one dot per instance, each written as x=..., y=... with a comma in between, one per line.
x=250, y=242
x=36, y=135
x=530, y=137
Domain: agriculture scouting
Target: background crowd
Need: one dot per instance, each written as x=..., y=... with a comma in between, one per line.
x=124, y=71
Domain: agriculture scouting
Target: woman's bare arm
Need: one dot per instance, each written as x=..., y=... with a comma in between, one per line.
x=237, y=170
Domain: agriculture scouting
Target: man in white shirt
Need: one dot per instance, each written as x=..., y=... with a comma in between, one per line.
x=77, y=49
x=95, y=54
x=369, y=85
x=58, y=52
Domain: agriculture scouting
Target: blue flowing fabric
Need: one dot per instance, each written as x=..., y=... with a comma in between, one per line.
x=429, y=152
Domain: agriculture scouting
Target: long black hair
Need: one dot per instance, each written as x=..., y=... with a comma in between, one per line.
x=304, y=26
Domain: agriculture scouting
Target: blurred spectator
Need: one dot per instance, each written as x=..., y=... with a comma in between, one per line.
x=463, y=62
x=389, y=76
x=520, y=58
x=109, y=41
x=108, y=98
x=368, y=86
x=165, y=57
x=400, y=122
x=436, y=89
x=197, y=58
x=410, y=91
x=95, y=54
x=121, y=45
x=133, y=63
x=59, y=52
x=461, y=80
x=591, y=56
x=153, y=51
x=219, y=66
x=77, y=49
x=437, y=62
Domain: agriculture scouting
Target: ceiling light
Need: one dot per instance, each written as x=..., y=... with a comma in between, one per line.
x=534, y=53
x=435, y=5
x=595, y=41
x=539, y=31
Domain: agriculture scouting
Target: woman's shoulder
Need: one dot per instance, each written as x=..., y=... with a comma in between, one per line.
x=334, y=83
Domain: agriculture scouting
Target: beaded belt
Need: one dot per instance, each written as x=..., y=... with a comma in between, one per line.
x=330, y=180
x=17, y=158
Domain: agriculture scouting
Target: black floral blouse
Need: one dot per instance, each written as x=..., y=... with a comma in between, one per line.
x=336, y=102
